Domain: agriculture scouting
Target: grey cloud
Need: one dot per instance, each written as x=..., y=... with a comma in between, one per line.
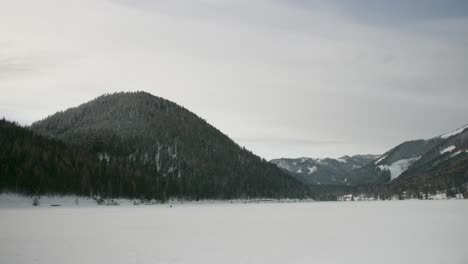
x=15, y=65
x=395, y=12
x=285, y=78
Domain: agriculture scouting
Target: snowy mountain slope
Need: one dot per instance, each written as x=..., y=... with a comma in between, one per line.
x=445, y=172
x=324, y=171
x=413, y=157
x=398, y=167
x=407, y=150
x=442, y=155
x=450, y=151
x=393, y=162
x=455, y=132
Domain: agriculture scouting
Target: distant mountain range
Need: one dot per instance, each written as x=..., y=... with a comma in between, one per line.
x=324, y=171
x=440, y=162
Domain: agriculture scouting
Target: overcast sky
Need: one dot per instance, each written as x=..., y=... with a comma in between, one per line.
x=283, y=78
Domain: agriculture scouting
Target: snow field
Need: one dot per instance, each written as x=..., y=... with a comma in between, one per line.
x=315, y=232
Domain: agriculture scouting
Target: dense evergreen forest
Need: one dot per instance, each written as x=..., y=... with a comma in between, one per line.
x=139, y=146
x=35, y=165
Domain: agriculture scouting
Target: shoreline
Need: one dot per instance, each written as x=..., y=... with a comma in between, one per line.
x=15, y=200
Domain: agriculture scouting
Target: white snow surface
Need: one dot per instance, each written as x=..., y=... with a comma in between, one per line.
x=104, y=156
x=380, y=159
x=398, y=167
x=341, y=160
x=284, y=165
x=447, y=149
x=322, y=162
x=456, y=153
x=312, y=169
x=455, y=132
x=384, y=232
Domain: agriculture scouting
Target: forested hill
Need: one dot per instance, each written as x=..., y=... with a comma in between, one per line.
x=174, y=152
x=33, y=164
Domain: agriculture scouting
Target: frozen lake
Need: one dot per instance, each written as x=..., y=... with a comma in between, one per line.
x=327, y=232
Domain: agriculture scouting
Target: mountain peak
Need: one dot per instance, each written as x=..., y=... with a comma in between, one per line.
x=172, y=147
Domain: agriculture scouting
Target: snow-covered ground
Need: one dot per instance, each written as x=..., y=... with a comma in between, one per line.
x=448, y=149
x=15, y=200
x=326, y=232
